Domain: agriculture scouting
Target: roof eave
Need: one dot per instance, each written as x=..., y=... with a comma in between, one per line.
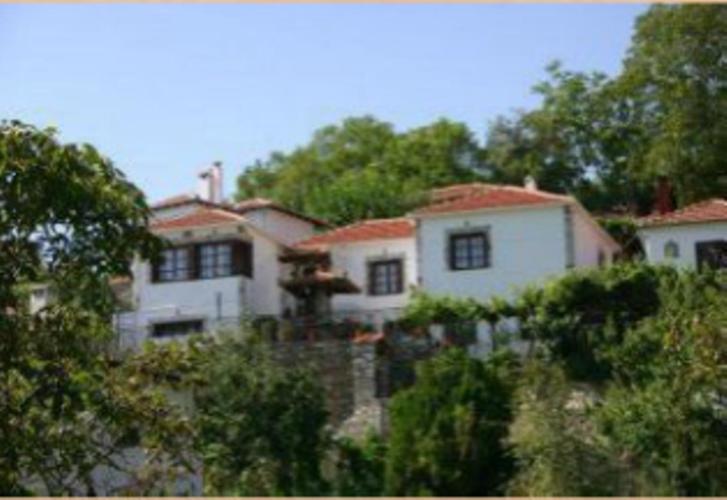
x=508, y=208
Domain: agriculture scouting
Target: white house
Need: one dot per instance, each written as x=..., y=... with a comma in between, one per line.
x=691, y=237
x=257, y=259
x=221, y=265
x=379, y=258
x=479, y=240
x=472, y=240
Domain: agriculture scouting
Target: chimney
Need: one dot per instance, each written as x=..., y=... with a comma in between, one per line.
x=530, y=183
x=210, y=183
x=663, y=200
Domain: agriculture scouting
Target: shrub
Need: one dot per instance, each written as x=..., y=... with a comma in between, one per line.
x=579, y=317
x=557, y=450
x=666, y=410
x=359, y=467
x=448, y=429
x=261, y=425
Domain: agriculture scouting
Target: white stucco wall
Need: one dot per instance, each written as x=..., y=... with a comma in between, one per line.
x=284, y=227
x=353, y=258
x=685, y=235
x=588, y=242
x=215, y=301
x=527, y=245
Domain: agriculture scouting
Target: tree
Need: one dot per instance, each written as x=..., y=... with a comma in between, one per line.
x=676, y=73
x=363, y=169
x=608, y=140
x=448, y=429
x=70, y=220
x=580, y=140
x=261, y=425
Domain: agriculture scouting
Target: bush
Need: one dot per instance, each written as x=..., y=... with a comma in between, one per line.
x=666, y=411
x=261, y=426
x=557, y=450
x=579, y=317
x=359, y=467
x=448, y=430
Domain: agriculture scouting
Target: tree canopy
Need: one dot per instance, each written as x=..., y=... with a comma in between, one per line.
x=364, y=169
x=69, y=220
x=605, y=139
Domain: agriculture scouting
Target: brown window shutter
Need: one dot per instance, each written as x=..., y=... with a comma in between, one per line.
x=154, y=265
x=242, y=258
x=194, y=256
x=372, y=267
x=400, y=283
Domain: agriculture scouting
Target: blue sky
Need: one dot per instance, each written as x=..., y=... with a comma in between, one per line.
x=165, y=89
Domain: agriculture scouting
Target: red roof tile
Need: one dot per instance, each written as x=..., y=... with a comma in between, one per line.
x=374, y=229
x=200, y=217
x=705, y=211
x=478, y=196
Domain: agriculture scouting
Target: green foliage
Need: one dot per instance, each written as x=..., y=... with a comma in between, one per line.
x=359, y=467
x=676, y=77
x=363, y=169
x=666, y=411
x=261, y=425
x=624, y=231
x=70, y=220
x=579, y=317
x=557, y=451
x=448, y=430
x=607, y=140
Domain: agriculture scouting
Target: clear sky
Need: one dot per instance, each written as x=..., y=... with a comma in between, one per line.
x=165, y=89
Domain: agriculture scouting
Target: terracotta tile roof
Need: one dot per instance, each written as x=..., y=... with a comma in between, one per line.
x=705, y=211
x=204, y=216
x=240, y=207
x=373, y=229
x=478, y=196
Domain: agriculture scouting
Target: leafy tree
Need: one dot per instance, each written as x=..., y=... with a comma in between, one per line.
x=261, y=425
x=607, y=140
x=448, y=429
x=70, y=220
x=363, y=169
x=675, y=72
x=580, y=141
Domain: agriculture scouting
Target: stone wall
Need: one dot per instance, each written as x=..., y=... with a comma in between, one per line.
x=358, y=378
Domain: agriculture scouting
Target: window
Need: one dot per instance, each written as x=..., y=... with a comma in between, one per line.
x=386, y=277
x=215, y=260
x=711, y=254
x=671, y=250
x=469, y=251
x=175, y=328
x=204, y=261
x=175, y=266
